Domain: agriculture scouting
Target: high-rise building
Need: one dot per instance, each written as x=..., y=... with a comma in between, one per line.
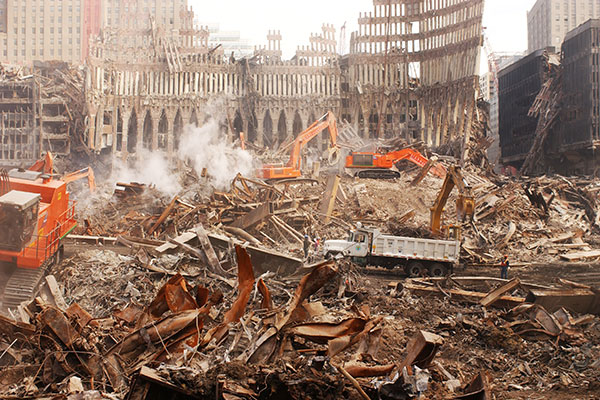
x=230, y=41
x=61, y=29
x=142, y=14
x=46, y=29
x=549, y=21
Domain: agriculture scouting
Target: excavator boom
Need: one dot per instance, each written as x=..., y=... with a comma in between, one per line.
x=293, y=167
x=83, y=173
x=465, y=204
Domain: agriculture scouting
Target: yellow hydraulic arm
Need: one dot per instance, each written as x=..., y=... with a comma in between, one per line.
x=465, y=204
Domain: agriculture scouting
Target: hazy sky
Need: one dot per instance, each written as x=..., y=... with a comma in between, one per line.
x=506, y=20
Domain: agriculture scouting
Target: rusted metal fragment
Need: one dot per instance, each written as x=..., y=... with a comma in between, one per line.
x=201, y=296
x=324, y=332
x=81, y=316
x=337, y=345
x=495, y=295
x=366, y=371
x=265, y=347
x=309, y=284
x=267, y=302
x=137, y=342
x=174, y=296
x=129, y=314
x=164, y=215
x=245, y=286
x=56, y=321
x=238, y=308
x=476, y=390
x=11, y=328
x=582, y=301
x=422, y=349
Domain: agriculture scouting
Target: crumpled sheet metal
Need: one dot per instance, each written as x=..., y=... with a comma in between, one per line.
x=309, y=284
x=267, y=302
x=238, y=308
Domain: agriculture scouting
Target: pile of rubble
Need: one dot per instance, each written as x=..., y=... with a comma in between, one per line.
x=329, y=333
x=208, y=294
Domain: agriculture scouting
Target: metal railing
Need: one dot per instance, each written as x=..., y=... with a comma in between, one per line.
x=47, y=245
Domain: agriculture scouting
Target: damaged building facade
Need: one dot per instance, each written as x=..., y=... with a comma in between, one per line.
x=411, y=71
x=38, y=113
x=550, y=107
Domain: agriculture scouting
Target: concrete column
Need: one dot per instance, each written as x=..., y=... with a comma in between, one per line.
x=126, y=116
x=155, y=115
x=171, y=114
x=140, y=131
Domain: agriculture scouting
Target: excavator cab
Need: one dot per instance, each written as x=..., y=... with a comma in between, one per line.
x=19, y=211
x=452, y=232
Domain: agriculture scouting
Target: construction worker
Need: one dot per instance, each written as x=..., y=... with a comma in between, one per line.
x=504, y=266
x=306, y=245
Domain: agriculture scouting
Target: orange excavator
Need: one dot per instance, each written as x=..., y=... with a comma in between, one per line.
x=465, y=203
x=46, y=166
x=36, y=214
x=379, y=166
x=293, y=167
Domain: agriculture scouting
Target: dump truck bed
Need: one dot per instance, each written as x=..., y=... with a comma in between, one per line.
x=446, y=251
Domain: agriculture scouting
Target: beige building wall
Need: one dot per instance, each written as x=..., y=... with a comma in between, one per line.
x=549, y=21
x=54, y=29
x=135, y=14
x=41, y=30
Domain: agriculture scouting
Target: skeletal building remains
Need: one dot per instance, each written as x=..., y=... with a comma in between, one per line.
x=565, y=91
x=41, y=112
x=411, y=71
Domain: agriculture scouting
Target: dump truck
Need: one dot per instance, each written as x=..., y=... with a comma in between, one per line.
x=416, y=256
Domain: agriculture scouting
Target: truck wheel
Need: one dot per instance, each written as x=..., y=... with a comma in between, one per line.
x=415, y=269
x=437, y=270
x=329, y=256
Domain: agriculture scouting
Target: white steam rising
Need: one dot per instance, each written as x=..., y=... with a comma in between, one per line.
x=151, y=168
x=207, y=148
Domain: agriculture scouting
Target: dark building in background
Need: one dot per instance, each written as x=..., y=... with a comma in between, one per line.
x=519, y=85
x=573, y=148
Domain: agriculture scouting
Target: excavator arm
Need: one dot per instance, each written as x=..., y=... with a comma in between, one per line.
x=326, y=121
x=293, y=167
x=82, y=173
x=44, y=166
x=465, y=204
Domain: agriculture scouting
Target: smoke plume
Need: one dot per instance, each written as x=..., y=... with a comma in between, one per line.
x=206, y=147
x=151, y=168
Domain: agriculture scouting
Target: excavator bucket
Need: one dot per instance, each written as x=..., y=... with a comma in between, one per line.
x=334, y=155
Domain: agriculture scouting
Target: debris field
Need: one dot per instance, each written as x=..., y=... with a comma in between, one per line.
x=207, y=294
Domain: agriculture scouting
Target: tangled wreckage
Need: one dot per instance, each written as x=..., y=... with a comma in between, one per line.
x=207, y=294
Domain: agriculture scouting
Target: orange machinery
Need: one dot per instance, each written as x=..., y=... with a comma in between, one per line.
x=465, y=203
x=35, y=216
x=293, y=167
x=379, y=166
